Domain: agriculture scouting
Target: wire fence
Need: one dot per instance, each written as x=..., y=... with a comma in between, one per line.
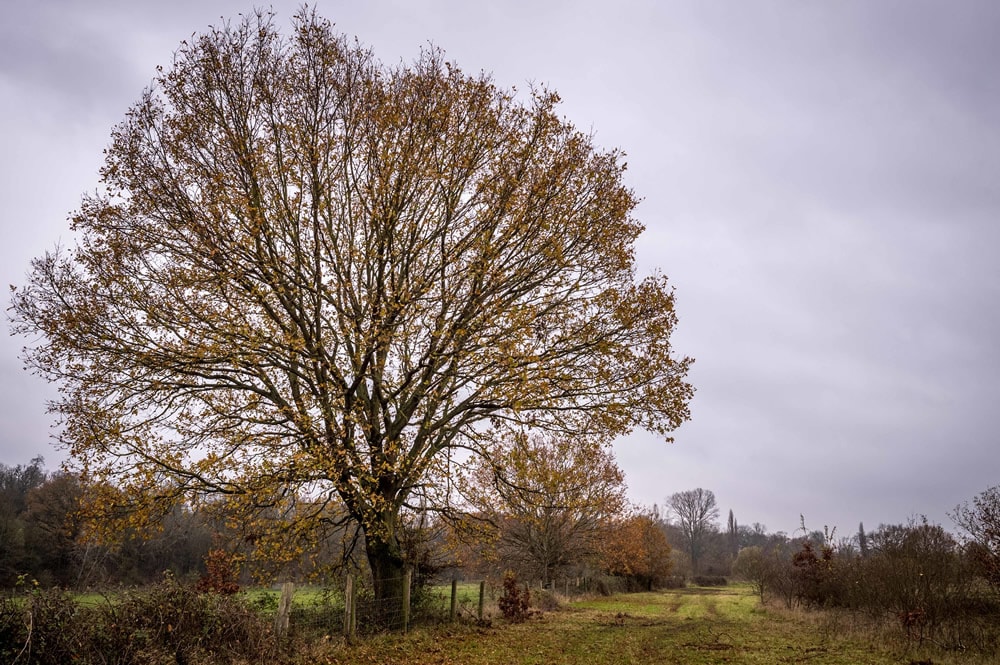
x=354, y=610
x=311, y=618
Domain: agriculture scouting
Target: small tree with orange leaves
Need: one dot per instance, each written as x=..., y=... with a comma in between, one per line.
x=636, y=549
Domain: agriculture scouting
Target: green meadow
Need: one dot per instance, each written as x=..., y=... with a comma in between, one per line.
x=684, y=626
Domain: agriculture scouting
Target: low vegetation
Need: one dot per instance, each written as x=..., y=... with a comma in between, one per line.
x=166, y=623
x=172, y=624
x=908, y=590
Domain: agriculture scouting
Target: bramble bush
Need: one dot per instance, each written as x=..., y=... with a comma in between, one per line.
x=168, y=622
x=46, y=627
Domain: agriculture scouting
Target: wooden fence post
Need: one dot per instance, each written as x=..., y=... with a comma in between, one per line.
x=349, y=607
x=482, y=598
x=454, y=599
x=284, y=610
x=406, y=600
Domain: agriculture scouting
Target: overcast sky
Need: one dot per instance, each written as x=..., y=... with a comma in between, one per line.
x=820, y=181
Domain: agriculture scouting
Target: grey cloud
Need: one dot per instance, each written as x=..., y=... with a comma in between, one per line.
x=819, y=183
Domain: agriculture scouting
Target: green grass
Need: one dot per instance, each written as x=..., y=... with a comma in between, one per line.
x=304, y=596
x=464, y=591
x=265, y=597
x=91, y=598
x=685, y=626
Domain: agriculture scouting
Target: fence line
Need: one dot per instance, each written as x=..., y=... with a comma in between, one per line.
x=354, y=609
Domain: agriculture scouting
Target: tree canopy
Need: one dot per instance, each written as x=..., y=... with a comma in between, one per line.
x=308, y=276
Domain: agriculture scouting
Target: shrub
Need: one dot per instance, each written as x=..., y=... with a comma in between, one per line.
x=813, y=577
x=673, y=582
x=981, y=524
x=166, y=623
x=47, y=628
x=545, y=600
x=710, y=580
x=914, y=573
x=178, y=619
x=916, y=576
x=754, y=566
x=514, y=600
x=222, y=572
x=11, y=624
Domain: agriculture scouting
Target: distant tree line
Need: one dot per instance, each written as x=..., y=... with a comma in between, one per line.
x=553, y=513
x=44, y=537
x=560, y=515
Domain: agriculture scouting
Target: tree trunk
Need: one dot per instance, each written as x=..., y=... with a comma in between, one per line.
x=385, y=557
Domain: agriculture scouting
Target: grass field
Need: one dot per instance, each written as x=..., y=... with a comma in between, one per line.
x=304, y=596
x=696, y=625
x=685, y=626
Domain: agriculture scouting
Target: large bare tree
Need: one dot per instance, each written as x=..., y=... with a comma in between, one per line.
x=308, y=276
x=695, y=512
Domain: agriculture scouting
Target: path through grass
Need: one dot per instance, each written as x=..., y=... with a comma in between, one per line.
x=685, y=626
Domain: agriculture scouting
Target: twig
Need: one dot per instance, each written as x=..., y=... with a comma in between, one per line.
x=27, y=642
